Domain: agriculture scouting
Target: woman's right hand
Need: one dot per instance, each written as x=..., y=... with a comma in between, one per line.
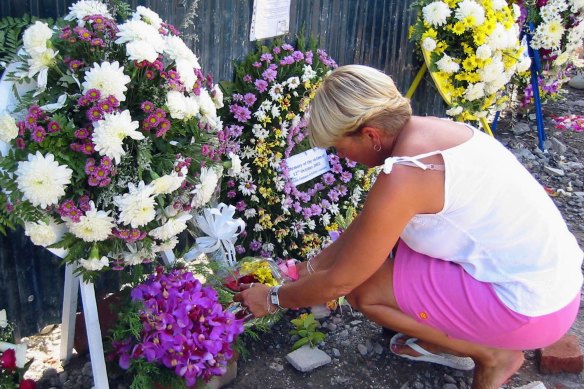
x=302, y=268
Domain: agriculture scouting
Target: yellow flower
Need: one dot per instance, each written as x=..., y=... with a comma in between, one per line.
x=470, y=63
x=458, y=28
x=332, y=227
x=430, y=33
x=290, y=115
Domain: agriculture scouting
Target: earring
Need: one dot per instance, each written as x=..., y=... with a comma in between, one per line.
x=377, y=148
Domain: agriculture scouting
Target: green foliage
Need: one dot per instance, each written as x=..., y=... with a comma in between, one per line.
x=11, y=30
x=306, y=328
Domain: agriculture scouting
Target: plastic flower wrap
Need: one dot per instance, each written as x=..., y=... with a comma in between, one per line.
x=557, y=30
x=112, y=148
x=178, y=332
x=472, y=50
x=13, y=362
x=265, y=127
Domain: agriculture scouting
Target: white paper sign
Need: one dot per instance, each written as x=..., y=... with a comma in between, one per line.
x=270, y=18
x=307, y=165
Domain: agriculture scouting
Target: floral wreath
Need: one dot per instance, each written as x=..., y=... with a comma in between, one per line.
x=111, y=152
x=265, y=126
x=558, y=30
x=472, y=50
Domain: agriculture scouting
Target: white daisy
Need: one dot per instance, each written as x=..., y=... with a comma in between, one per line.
x=204, y=190
x=484, y=52
x=276, y=91
x=293, y=82
x=499, y=4
x=165, y=246
x=94, y=264
x=110, y=132
x=168, y=183
x=436, y=13
x=455, y=111
x=135, y=256
x=172, y=227
x=94, y=226
x=85, y=8
x=35, y=38
x=470, y=9
x=259, y=131
x=137, y=206
x=42, y=180
x=8, y=129
x=108, y=78
x=309, y=73
x=44, y=234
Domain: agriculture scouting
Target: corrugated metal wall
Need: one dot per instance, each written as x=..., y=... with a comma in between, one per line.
x=371, y=32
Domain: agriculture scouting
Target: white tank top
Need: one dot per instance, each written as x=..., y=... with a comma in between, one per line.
x=500, y=225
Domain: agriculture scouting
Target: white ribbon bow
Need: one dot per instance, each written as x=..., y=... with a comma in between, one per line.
x=221, y=229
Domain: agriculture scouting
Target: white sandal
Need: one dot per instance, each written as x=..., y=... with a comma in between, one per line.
x=460, y=363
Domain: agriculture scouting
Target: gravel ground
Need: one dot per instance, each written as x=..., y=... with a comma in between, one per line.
x=358, y=348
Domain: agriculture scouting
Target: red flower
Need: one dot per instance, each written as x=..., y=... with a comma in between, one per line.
x=233, y=284
x=27, y=384
x=8, y=359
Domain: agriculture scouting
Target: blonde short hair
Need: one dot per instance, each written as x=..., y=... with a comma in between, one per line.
x=351, y=97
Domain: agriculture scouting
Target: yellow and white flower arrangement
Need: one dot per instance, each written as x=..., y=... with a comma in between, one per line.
x=472, y=50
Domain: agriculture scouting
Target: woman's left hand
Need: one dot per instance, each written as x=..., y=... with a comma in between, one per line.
x=255, y=298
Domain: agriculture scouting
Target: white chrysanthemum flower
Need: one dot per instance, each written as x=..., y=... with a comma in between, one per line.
x=137, y=207
x=180, y=106
x=235, y=167
x=172, y=227
x=42, y=180
x=35, y=38
x=110, y=132
x=429, y=44
x=276, y=91
x=475, y=91
x=85, y=8
x=516, y=11
x=168, y=183
x=260, y=132
x=205, y=188
x=493, y=70
x=207, y=107
x=108, y=78
x=447, y=64
x=577, y=5
x=293, y=82
x=8, y=128
x=141, y=51
x=524, y=64
x=561, y=59
x=470, y=9
x=454, y=111
x=499, y=4
x=44, y=234
x=502, y=38
x=554, y=30
x=308, y=73
x=217, y=96
x=94, y=226
x=484, y=52
x=148, y=16
x=135, y=256
x=185, y=60
x=94, y=264
x=436, y=13
x=140, y=36
x=165, y=246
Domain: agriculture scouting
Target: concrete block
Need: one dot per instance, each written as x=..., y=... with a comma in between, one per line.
x=306, y=358
x=533, y=385
x=564, y=356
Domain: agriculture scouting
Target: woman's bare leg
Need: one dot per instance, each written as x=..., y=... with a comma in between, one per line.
x=376, y=299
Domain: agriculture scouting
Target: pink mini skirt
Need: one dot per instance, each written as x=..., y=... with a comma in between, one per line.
x=442, y=295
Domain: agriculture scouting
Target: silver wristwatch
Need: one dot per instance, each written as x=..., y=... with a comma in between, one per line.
x=274, y=299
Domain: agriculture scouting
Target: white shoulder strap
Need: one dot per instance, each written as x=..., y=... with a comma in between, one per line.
x=411, y=161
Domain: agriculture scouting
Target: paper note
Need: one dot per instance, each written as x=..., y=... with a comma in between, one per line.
x=270, y=18
x=307, y=165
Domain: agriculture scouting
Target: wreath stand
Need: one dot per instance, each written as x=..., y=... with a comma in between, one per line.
x=535, y=69
x=73, y=284
x=445, y=96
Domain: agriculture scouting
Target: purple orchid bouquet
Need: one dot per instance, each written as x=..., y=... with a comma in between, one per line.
x=175, y=333
x=109, y=144
x=265, y=125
